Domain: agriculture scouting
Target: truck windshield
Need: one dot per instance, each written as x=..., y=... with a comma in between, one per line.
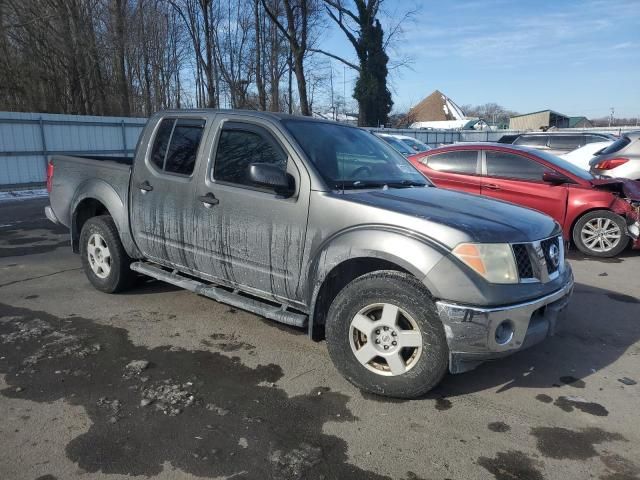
x=348, y=157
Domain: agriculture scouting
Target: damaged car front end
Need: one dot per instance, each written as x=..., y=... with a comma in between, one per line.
x=626, y=204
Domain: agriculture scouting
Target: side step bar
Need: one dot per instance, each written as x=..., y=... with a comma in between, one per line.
x=252, y=304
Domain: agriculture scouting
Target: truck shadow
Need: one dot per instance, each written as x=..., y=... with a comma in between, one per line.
x=600, y=327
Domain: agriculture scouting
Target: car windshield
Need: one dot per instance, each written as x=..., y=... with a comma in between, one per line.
x=416, y=145
x=348, y=157
x=565, y=165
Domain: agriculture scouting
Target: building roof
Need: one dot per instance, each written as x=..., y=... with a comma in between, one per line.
x=573, y=121
x=539, y=111
x=443, y=124
x=437, y=107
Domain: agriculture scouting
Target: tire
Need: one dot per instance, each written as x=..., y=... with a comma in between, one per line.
x=417, y=321
x=587, y=230
x=104, y=260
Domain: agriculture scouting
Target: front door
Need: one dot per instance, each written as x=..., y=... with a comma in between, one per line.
x=251, y=236
x=518, y=179
x=163, y=192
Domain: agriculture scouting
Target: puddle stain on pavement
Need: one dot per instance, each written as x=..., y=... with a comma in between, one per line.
x=512, y=465
x=262, y=434
x=561, y=443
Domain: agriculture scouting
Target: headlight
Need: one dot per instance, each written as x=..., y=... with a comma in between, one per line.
x=494, y=261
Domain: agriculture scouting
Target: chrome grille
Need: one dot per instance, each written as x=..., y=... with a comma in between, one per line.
x=523, y=262
x=539, y=261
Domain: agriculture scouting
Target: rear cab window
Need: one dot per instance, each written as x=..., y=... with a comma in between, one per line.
x=175, y=146
x=512, y=166
x=459, y=161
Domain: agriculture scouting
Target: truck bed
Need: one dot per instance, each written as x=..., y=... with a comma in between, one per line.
x=75, y=177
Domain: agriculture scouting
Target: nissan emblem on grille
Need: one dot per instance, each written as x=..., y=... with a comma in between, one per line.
x=554, y=254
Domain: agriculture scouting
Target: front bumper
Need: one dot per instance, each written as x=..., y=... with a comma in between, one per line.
x=476, y=334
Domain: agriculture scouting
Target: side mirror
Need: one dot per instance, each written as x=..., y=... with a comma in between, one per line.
x=269, y=176
x=555, y=178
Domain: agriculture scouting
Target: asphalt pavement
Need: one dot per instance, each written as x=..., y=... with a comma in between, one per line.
x=161, y=383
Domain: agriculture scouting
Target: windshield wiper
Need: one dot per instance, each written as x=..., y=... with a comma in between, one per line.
x=368, y=184
x=360, y=184
x=406, y=184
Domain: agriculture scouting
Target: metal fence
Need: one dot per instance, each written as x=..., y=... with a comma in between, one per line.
x=27, y=139
x=435, y=138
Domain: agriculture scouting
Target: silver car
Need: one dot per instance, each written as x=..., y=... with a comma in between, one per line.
x=620, y=159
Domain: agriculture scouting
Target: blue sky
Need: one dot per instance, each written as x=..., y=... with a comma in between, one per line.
x=576, y=57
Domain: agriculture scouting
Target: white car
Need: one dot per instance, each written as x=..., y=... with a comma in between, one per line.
x=397, y=144
x=580, y=156
x=414, y=143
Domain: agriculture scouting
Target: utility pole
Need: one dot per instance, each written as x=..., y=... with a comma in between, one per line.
x=344, y=88
x=333, y=106
x=611, y=116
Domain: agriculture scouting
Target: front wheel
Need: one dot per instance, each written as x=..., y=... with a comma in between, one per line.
x=104, y=259
x=384, y=335
x=601, y=233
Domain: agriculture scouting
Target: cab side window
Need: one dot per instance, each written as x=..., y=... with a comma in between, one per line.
x=238, y=147
x=461, y=161
x=176, y=144
x=517, y=167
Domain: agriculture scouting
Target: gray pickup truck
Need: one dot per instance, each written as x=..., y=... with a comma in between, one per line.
x=322, y=226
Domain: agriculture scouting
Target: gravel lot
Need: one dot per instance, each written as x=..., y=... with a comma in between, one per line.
x=162, y=383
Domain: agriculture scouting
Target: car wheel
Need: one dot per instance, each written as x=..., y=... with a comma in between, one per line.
x=601, y=233
x=104, y=260
x=384, y=335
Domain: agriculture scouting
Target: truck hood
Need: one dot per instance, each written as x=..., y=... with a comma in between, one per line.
x=481, y=219
x=623, y=186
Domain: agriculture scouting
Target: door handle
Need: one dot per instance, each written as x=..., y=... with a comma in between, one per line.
x=208, y=200
x=492, y=186
x=145, y=187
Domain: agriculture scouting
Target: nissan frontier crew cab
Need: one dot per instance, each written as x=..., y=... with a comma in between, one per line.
x=322, y=226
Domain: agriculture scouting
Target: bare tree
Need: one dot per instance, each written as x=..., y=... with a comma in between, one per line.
x=298, y=14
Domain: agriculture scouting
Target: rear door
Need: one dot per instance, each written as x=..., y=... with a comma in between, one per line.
x=518, y=179
x=251, y=236
x=162, y=191
x=455, y=170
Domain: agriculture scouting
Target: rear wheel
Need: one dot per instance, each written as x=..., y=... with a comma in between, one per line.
x=384, y=335
x=601, y=233
x=104, y=259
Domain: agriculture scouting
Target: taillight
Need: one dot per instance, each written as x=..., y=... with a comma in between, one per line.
x=611, y=163
x=49, y=176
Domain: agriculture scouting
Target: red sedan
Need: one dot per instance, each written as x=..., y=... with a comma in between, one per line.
x=601, y=216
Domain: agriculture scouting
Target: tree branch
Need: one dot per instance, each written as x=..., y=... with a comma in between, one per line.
x=276, y=22
x=343, y=27
x=336, y=57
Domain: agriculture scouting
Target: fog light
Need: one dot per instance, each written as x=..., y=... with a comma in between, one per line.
x=634, y=230
x=504, y=332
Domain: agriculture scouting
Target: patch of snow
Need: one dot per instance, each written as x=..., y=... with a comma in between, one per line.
x=23, y=194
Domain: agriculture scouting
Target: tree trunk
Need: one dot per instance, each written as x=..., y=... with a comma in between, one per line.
x=298, y=59
x=262, y=95
x=120, y=63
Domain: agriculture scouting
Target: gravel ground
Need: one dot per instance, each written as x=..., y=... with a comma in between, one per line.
x=162, y=383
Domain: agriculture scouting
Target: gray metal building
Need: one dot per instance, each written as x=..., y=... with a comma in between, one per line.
x=539, y=120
